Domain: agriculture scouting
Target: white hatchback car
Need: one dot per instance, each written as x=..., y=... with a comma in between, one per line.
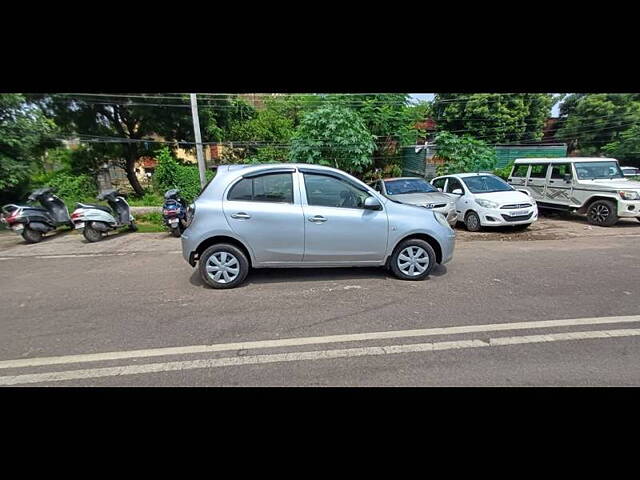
x=485, y=200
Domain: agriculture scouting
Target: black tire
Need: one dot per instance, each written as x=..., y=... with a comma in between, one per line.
x=91, y=234
x=393, y=261
x=602, y=213
x=243, y=265
x=133, y=227
x=176, y=232
x=472, y=222
x=31, y=236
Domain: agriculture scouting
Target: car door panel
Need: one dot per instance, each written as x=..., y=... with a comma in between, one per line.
x=337, y=234
x=537, y=180
x=558, y=190
x=273, y=230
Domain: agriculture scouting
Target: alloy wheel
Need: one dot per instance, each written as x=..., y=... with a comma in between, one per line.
x=599, y=213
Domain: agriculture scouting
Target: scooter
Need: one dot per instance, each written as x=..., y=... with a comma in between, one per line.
x=174, y=212
x=96, y=220
x=33, y=222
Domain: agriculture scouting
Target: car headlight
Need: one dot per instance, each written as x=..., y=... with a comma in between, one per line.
x=629, y=195
x=486, y=203
x=441, y=219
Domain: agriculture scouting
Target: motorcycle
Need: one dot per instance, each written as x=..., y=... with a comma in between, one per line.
x=96, y=220
x=174, y=212
x=33, y=222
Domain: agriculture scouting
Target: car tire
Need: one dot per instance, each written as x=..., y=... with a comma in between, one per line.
x=602, y=213
x=220, y=252
x=421, y=250
x=31, y=236
x=91, y=234
x=472, y=222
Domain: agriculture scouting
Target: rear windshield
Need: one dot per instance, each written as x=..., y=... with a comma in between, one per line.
x=409, y=185
x=486, y=184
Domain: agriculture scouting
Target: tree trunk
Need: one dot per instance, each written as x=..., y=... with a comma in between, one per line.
x=130, y=168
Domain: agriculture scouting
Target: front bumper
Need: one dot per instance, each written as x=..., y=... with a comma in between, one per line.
x=502, y=217
x=629, y=208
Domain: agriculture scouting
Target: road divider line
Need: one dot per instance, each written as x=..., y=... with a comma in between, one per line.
x=301, y=341
x=307, y=356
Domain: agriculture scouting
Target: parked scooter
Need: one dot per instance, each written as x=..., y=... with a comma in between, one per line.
x=33, y=222
x=174, y=212
x=97, y=220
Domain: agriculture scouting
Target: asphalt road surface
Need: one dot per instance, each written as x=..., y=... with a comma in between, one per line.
x=128, y=311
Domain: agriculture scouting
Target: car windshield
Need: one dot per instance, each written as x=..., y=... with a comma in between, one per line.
x=598, y=170
x=409, y=185
x=486, y=184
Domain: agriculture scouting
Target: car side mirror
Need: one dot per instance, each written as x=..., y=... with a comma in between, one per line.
x=457, y=191
x=371, y=203
x=567, y=177
x=439, y=189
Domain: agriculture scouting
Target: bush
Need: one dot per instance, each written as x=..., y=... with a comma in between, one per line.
x=463, y=154
x=504, y=171
x=69, y=187
x=171, y=174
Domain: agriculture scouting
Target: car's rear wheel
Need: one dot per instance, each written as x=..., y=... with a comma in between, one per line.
x=412, y=260
x=602, y=213
x=472, y=222
x=223, y=266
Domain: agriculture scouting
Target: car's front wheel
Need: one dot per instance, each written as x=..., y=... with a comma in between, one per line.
x=412, y=260
x=472, y=222
x=223, y=266
x=602, y=213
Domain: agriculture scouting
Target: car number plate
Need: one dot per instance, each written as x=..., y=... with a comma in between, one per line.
x=518, y=213
x=79, y=225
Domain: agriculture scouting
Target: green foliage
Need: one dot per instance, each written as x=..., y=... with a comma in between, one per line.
x=149, y=199
x=334, y=136
x=494, y=117
x=171, y=174
x=70, y=187
x=463, y=154
x=25, y=134
x=503, y=172
x=601, y=123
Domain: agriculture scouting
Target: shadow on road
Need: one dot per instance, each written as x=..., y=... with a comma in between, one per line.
x=283, y=275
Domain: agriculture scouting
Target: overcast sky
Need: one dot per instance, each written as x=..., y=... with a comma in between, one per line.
x=429, y=96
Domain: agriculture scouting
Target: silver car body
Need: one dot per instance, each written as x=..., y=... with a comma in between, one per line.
x=297, y=234
x=443, y=203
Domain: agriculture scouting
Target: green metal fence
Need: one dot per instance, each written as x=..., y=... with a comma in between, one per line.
x=508, y=153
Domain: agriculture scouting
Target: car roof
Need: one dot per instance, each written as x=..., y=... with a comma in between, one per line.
x=563, y=160
x=465, y=175
x=401, y=178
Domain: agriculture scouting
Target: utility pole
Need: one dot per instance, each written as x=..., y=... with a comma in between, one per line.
x=196, y=130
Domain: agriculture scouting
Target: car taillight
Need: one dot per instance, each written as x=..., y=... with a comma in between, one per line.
x=191, y=211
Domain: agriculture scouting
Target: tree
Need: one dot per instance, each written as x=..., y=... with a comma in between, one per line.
x=335, y=136
x=25, y=134
x=494, y=117
x=626, y=147
x=592, y=121
x=463, y=154
x=121, y=124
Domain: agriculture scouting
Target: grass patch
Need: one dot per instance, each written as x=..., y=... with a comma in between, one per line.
x=150, y=222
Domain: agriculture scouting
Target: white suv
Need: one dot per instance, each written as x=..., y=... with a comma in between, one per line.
x=485, y=200
x=592, y=186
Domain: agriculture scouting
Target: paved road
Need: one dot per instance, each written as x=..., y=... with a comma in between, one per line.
x=65, y=300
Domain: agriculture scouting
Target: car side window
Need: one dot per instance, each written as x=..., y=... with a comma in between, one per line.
x=276, y=188
x=560, y=170
x=378, y=186
x=439, y=183
x=520, y=170
x=539, y=170
x=453, y=184
x=326, y=191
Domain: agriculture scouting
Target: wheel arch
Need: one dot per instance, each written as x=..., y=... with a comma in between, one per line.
x=422, y=236
x=585, y=206
x=215, y=239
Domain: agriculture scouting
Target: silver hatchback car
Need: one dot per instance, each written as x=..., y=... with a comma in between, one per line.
x=300, y=215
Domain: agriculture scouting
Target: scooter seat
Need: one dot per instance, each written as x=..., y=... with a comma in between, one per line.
x=97, y=207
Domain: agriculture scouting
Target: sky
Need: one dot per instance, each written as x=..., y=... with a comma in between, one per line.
x=555, y=111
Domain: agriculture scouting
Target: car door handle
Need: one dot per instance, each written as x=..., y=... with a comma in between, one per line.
x=241, y=215
x=317, y=219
